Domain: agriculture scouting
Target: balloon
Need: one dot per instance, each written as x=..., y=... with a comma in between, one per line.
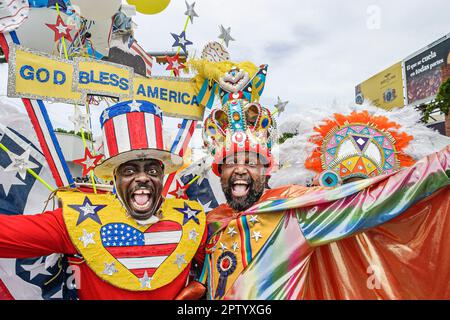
x=149, y=6
x=98, y=9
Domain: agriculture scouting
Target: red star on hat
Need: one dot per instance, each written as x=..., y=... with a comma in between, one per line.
x=88, y=162
x=174, y=64
x=180, y=191
x=61, y=29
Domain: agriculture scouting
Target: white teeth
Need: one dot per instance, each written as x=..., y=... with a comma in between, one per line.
x=142, y=191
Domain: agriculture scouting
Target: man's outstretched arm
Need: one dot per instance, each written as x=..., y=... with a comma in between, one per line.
x=376, y=204
x=26, y=236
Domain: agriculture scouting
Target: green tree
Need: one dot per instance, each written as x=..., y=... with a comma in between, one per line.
x=285, y=136
x=441, y=102
x=87, y=134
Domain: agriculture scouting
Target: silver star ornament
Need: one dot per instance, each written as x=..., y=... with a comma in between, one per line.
x=145, y=281
x=281, y=106
x=80, y=120
x=190, y=11
x=179, y=261
x=110, y=268
x=225, y=35
x=21, y=164
x=87, y=238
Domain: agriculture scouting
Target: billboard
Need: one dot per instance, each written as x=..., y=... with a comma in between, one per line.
x=384, y=90
x=426, y=71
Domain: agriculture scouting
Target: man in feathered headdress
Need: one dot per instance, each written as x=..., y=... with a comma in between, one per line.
x=367, y=239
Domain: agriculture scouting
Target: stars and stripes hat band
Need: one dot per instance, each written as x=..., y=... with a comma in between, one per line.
x=133, y=130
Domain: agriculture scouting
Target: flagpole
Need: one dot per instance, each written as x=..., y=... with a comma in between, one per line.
x=91, y=173
x=63, y=39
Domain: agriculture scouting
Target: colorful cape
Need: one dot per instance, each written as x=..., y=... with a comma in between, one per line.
x=380, y=238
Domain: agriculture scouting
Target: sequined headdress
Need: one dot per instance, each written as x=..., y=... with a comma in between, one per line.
x=330, y=148
x=241, y=124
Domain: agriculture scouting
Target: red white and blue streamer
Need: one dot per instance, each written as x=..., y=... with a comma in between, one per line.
x=42, y=125
x=179, y=147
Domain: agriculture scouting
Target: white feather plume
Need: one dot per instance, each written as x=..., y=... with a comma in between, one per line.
x=294, y=151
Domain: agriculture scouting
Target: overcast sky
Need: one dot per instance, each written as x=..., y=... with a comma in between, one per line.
x=317, y=50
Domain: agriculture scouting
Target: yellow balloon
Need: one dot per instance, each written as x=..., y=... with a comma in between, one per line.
x=149, y=6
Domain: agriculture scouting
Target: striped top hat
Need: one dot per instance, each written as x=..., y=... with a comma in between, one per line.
x=133, y=130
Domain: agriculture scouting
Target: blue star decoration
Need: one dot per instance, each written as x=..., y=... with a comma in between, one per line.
x=88, y=210
x=181, y=41
x=189, y=214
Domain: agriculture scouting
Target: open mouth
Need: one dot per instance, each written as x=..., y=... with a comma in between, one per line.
x=141, y=200
x=239, y=188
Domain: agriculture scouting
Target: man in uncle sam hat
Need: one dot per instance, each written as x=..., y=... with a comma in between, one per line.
x=384, y=236
x=136, y=245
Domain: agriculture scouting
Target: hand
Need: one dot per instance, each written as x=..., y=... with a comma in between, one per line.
x=194, y=291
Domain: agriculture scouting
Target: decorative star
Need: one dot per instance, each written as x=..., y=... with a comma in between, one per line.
x=61, y=29
x=199, y=168
x=180, y=260
x=223, y=246
x=88, y=210
x=281, y=106
x=193, y=234
x=110, y=268
x=180, y=191
x=142, y=155
x=256, y=235
x=181, y=41
x=231, y=231
x=37, y=268
x=52, y=259
x=135, y=106
x=21, y=163
x=190, y=11
x=204, y=169
x=189, y=214
x=206, y=207
x=87, y=238
x=88, y=162
x=235, y=246
x=80, y=120
x=158, y=112
x=9, y=179
x=254, y=219
x=225, y=35
x=105, y=116
x=174, y=64
x=145, y=280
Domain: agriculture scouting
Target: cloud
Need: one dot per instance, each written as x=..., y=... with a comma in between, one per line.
x=317, y=50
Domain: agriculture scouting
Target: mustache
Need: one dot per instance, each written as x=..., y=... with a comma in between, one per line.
x=234, y=178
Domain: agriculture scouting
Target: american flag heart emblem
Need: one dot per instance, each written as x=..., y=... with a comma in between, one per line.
x=138, y=251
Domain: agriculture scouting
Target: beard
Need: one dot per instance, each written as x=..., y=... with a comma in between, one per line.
x=255, y=191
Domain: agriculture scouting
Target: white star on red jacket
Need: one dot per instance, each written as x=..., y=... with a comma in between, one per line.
x=88, y=162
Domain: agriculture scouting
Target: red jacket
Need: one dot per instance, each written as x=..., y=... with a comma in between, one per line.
x=25, y=236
